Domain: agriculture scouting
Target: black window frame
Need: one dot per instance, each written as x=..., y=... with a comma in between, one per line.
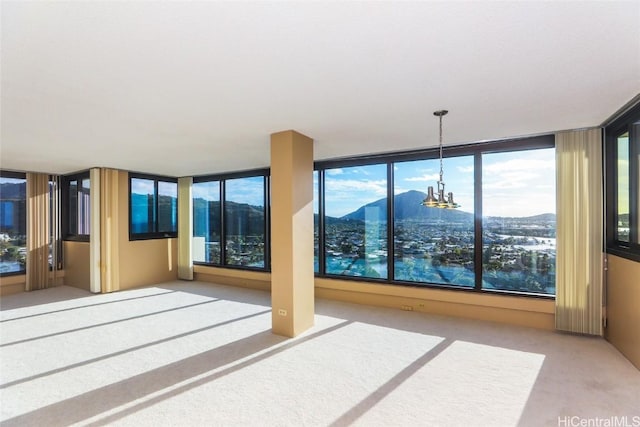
x=628, y=121
x=477, y=150
x=67, y=233
x=221, y=179
x=16, y=175
x=153, y=234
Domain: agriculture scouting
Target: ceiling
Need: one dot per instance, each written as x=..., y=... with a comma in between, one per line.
x=192, y=88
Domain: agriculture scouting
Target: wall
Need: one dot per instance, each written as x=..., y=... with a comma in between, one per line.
x=142, y=262
x=523, y=311
x=15, y=284
x=76, y=264
x=623, y=307
x=228, y=276
x=12, y=284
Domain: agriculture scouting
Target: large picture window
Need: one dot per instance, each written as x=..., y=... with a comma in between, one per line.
x=371, y=222
x=153, y=203
x=207, y=218
x=519, y=221
x=230, y=220
x=13, y=234
x=244, y=221
x=355, y=221
x=434, y=245
x=622, y=151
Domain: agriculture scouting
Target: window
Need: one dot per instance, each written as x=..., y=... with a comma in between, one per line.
x=76, y=202
x=355, y=220
x=622, y=151
x=519, y=221
x=13, y=234
x=153, y=203
x=207, y=228
x=316, y=222
x=434, y=245
x=372, y=223
x=230, y=220
x=244, y=214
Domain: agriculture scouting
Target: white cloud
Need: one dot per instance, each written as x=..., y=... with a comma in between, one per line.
x=423, y=178
x=332, y=172
x=343, y=196
x=142, y=186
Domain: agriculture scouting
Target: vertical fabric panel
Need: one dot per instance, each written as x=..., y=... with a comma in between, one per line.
x=185, y=228
x=109, y=260
x=38, y=233
x=579, y=232
x=56, y=232
x=94, y=230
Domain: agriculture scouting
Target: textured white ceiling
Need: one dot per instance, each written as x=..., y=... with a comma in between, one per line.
x=189, y=88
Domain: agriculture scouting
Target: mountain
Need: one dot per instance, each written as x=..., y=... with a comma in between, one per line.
x=11, y=190
x=541, y=218
x=247, y=219
x=408, y=206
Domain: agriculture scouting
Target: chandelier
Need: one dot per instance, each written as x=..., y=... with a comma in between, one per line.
x=441, y=202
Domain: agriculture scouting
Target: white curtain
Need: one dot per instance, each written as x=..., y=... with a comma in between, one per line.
x=185, y=228
x=38, y=231
x=579, y=262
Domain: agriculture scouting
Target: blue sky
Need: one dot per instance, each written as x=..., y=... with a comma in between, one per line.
x=514, y=184
x=241, y=190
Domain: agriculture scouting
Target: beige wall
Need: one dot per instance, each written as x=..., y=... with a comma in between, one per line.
x=227, y=276
x=12, y=284
x=142, y=262
x=16, y=284
x=76, y=264
x=623, y=307
x=523, y=311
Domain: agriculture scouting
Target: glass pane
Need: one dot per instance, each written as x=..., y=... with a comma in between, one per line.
x=434, y=245
x=73, y=207
x=142, y=205
x=244, y=221
x=519, y=221
x=84, y=214
x=316, y=232
x=622, y=220
x=206, y=222
x=167, y=207
x=356, y=221
x=13, y=217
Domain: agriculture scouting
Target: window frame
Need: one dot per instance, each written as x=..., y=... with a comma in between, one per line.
x=153, y=234
x=67, y=233
x=221, y=179
x=15, y=175
x=476, y=150
x=629, y=122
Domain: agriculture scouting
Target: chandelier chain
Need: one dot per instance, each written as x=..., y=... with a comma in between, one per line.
x=441, y=168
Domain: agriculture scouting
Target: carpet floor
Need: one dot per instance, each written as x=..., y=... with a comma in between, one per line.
x=196, y=354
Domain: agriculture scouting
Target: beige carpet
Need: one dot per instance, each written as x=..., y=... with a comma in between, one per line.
x=194, y=354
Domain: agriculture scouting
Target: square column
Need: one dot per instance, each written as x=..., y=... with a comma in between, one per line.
x=292, y=279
